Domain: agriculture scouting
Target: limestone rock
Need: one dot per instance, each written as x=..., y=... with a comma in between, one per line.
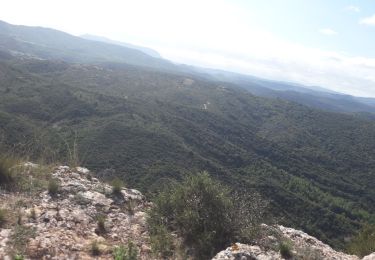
x=246, y=252
x=303, y=246
x=65, y=224
x=96, y=198
x=369, y=257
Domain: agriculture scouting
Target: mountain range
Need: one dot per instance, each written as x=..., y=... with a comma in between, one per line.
x=148, y=121
x=145, y=50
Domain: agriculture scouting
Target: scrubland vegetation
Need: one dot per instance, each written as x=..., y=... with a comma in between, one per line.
x=205, y=214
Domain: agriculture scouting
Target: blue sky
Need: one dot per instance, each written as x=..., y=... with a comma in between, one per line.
x=301, y=20
x=327, y=43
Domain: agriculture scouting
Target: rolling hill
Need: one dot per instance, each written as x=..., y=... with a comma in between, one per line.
x=45, y=43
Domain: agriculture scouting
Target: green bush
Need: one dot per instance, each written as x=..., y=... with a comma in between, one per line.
x=100, y=229
x=204, y=213
x=117, y=185
x=53, y=187
x=129, y=252
x=3, y=218
x=364, y=243
x=6, y=173
x=20, y=236
x=19, y=257
x=162, y=241
x=285, y=250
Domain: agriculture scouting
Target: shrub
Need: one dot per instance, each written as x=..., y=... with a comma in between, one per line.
x=285, y=250
x=3, y=219
x=129, y=252
x=117, y=185
x=162, y=242
x=6, y=173
x=100, y=224
x=21, y=234
x=364, y=243
x=204, y=213
x=18, y=257
x=53, y=187
x=95, y=250
x=119, y=253
x=130, y=206
x=33, y=214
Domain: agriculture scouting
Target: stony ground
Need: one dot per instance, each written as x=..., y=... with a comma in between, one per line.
x=65, y=226
x=302, y=247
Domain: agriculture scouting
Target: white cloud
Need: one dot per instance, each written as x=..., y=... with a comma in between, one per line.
x=327, y=31
x=368, y=20
x=269, y=57
x=353, y=8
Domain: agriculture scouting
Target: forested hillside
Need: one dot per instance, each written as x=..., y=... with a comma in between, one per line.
x=149, y=127
x=43, y=43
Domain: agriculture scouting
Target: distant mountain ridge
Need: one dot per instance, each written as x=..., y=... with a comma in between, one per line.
x=43, y=43
x=145, y=50
x=312, y=96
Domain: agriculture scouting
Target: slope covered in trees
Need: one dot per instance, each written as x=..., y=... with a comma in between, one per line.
x=149, y=127
x=44, y=43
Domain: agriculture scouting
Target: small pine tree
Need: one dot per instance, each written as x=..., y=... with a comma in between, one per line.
x=117, y=185
x=53, y=187
x=130, y=252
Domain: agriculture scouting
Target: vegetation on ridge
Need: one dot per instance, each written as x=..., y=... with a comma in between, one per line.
x=205, y=215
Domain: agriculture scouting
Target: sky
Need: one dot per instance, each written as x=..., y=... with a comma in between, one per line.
x=327, y=43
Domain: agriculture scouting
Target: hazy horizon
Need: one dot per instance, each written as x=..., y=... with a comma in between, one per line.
x=320, y=43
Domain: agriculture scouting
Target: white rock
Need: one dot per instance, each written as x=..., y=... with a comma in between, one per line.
x=370, y=257
x=31, y=165
x=82, y=170
x=303, y=246
x=96, y=198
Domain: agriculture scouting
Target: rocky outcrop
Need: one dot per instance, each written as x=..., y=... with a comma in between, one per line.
x=240, y=251
x=301, y=245
x=65, y=226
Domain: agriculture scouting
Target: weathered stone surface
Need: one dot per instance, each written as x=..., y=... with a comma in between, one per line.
x=303, y=247
x=246, y=252
x=65, y=225
x=96, y=198
x=370, y=257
